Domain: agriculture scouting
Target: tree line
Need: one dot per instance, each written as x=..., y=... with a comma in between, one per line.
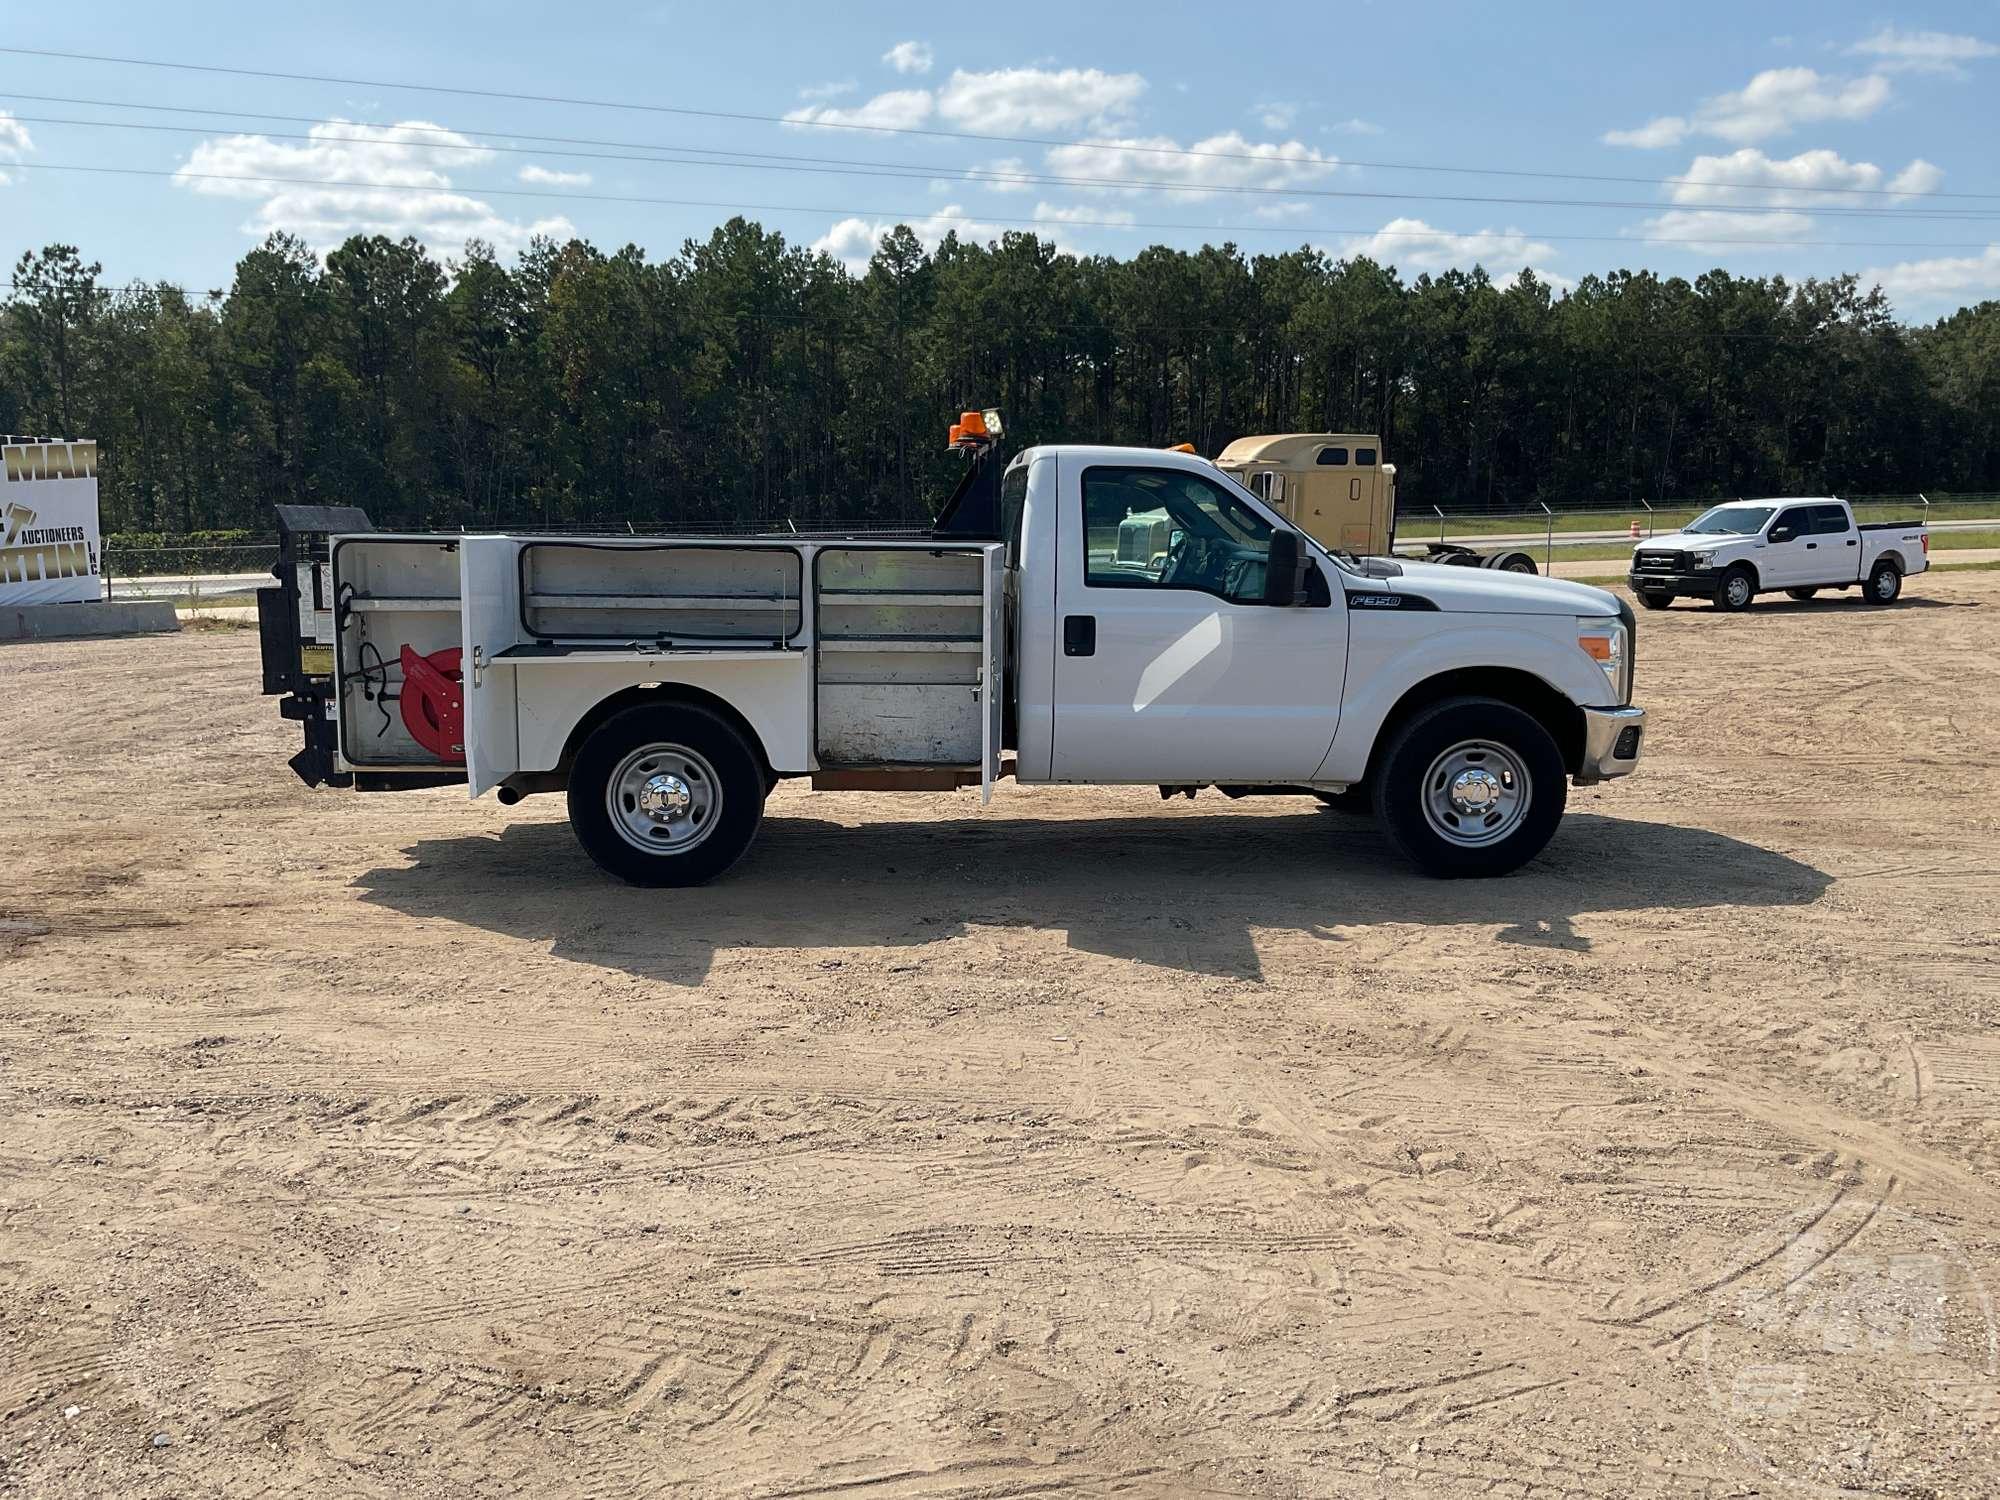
x=752, y=381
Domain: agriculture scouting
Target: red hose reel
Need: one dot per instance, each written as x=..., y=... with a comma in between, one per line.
x=433, y=702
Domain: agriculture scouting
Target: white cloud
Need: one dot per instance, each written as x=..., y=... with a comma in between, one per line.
x=1276, y=115
x=1354, y=126
x=393, y=182
x=853, y=241
x=1941, y=284
x=1287, y=208
x=910, y=57
x=1776, y=102
x=1224, y=161
x=1413, y=246
x=550, y=177
x=1714, y=190
x=15, y=142
x=899, y=109
x=1014, y=99
x=1081, y=213
x=818, y=92
x=1666, y=130
x=1005, y=168
x=1922, y=51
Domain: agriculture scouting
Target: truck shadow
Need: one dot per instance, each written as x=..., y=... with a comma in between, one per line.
x=1181, y=892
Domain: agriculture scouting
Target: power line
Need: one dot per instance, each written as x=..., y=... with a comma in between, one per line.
x=762, y=162
x=905, y=130
x=973, y=224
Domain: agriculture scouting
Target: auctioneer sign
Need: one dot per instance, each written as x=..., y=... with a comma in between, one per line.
x=49, y=546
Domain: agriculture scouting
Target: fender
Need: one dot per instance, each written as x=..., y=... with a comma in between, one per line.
x=1392, y=651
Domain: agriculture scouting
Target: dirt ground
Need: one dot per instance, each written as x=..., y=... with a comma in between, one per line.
x=1086, y=1145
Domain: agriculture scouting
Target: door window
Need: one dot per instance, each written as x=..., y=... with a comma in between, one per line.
x=1333, y=458
x=1829, y=520
x=1166, y=529
x=1798, y=520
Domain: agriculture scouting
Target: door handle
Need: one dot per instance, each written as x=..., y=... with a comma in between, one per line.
x=1079, y=635
x=1811, y=545
x=1852, y=543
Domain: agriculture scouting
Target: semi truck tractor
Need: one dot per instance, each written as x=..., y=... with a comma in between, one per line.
x=665, y=685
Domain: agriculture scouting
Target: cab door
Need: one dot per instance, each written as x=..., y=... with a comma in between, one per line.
x=1790, y=554
x=1176, y=671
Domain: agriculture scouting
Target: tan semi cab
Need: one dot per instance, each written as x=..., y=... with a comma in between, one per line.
x=1335, y=487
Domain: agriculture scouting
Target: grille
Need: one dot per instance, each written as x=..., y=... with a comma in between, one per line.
x=1660, y=562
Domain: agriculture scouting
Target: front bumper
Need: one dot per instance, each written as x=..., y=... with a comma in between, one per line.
x=1612, y=740
x=1699, y=584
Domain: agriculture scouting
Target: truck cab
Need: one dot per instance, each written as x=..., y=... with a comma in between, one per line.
x=1333, y=486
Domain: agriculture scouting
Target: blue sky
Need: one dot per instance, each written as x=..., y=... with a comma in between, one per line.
x=1807, y=138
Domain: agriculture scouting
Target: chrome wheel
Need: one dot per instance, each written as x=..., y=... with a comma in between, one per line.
x=663, y=798
x=1887, y=582
x=1738, y=588
x=1476, y=793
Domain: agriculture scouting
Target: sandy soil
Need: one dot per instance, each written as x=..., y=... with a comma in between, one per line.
x=378, y=1146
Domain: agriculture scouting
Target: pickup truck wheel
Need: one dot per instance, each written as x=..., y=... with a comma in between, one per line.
x=666, y=796
x=1800, y=594
x=1737, y=589
x=1656, y=601
x=1885, y=584
x=1471, y=787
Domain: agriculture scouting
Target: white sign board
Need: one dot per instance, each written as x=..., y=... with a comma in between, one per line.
x=49, y=547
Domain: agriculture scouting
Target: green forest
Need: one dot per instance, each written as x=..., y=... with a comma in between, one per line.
x=748, y=380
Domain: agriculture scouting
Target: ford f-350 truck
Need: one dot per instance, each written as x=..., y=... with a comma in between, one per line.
x=667, y=684
x=1732, y=553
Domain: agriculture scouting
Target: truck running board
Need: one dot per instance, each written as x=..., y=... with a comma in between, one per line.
x=902, y=778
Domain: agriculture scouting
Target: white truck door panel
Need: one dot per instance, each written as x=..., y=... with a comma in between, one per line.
x=992, y=671
x=1791, y=563
x=490, y=618
x=1157, y=682
x=391, y=592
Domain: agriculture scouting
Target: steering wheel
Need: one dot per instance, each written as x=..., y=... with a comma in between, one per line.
x=1177, y=555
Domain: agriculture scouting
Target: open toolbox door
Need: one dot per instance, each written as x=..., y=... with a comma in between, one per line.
x=992, y=671
x=490, y=623
x=397, y=645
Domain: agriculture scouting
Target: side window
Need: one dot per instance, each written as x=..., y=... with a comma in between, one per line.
x=1829, y=520
x=1797, y=519
x=1365, y=457
x=1013, y=504
x=1167, y=529
x=1332, y=458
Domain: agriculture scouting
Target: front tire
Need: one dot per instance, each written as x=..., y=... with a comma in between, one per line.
x=1885, y=584
x=1471, y=787
x=1737, y=589
x=666, y=795
x=1656, y=601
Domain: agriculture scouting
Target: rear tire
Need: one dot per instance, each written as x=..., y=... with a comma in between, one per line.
x=1737, y=588
x=1800, y=594
x=1885, y=584
x=1656, y=601
x=666, y=795
x=1471, y=787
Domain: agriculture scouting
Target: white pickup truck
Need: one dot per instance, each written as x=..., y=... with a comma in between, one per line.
x=1735, y=552
x=667, y=684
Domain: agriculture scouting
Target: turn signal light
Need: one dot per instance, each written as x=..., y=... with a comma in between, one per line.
x=1598, y=646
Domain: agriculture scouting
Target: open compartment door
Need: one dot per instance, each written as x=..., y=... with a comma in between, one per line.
x=993, y=672
x=396, y=655
x=490, y=621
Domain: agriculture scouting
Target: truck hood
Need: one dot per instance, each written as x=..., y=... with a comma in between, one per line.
x=1491, y=591
x=1685, y=541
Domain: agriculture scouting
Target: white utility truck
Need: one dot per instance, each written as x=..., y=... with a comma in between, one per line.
x=1734, y=552
x=667, y=684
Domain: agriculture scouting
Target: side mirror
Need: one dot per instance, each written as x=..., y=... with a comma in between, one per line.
x=1285, y=569
x=1780, y=534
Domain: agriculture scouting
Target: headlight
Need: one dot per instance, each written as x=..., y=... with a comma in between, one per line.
x=1609, y=644
x=1703, y=559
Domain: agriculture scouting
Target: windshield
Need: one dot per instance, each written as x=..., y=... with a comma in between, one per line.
x=1731, y=520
